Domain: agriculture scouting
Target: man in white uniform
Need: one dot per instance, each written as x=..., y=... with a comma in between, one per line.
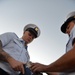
x=13, y=50
x=66, y=63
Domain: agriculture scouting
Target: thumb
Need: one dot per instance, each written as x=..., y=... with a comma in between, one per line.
x=23, y=69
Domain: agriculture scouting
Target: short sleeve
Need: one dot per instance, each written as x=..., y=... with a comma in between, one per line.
x=7, y=37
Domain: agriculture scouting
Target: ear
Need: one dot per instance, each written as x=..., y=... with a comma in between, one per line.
x=24, y=32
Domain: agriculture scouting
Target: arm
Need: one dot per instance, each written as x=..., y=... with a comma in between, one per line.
x=3, y=55
x=16, y=65
x=63, y=64
x=66, y=63
x=52, y=73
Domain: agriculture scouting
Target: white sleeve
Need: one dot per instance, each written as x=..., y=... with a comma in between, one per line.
x=7, y=37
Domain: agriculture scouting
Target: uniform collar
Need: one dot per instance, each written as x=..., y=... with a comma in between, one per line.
x=23, y=42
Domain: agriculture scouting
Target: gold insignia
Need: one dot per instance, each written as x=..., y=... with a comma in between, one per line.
x=36, y=29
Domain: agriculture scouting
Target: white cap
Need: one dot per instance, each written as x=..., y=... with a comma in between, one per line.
x=70, y=14
x=33, y=28
x=70, y=17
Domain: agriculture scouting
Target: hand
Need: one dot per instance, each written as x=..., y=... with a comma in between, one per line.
x=16, y=65
x=52, y=73
x=29, y=64
x=37, y=67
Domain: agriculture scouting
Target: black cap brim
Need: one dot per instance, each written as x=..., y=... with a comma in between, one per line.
x=64, y=26
x=32, y=31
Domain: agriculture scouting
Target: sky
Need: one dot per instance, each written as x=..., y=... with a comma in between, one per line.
x=48, y=15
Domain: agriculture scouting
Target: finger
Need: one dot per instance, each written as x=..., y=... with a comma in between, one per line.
x=16, y=69
x=22, y=70
x=32, y=65
x=34, y=68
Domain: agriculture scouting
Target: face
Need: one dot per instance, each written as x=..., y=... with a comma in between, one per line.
x=69, y=27
x=28, y=37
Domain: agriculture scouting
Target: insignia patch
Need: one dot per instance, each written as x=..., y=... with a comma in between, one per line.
x=36, y=29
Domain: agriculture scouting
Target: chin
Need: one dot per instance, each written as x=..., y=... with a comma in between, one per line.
x=27, y=42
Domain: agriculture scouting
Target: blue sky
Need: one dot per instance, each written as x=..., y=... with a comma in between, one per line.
x=49, y=15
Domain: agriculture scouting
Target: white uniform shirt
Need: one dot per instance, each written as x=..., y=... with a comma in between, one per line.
x=15, y=47
x=69, y=47
x=72, y=36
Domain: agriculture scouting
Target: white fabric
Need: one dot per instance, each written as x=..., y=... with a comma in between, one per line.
x=14, y=46
x=69, y=47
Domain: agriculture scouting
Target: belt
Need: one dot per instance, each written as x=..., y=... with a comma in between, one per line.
x=29, y=72
x=2, y=72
